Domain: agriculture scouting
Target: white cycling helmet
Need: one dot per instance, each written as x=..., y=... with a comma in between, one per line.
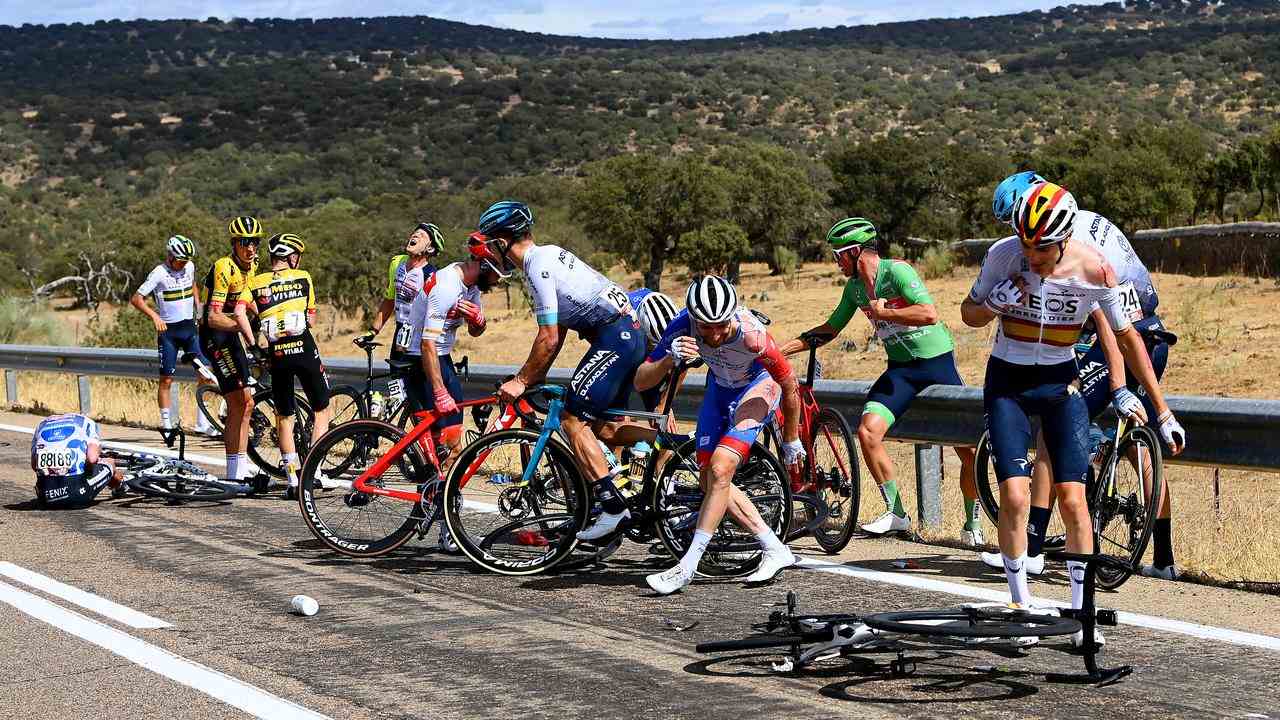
x=181, y=248
x=656, y=313
x=711, y=299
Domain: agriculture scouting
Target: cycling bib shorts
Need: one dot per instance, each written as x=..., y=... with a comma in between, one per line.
x=896, y=388
x=603, y=378
x=179, y=337
x=1012, y=395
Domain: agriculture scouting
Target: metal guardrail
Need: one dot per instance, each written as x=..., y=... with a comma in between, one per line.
x=1224, y=432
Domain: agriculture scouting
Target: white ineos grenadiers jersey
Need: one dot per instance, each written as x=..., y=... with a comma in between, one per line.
x=60, y=445
x=172, y=290
x=568, y=292
x=435, y=309
x=1136, y=288
x=1043, y=329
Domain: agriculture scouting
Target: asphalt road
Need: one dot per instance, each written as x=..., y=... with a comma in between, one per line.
x=420, y=635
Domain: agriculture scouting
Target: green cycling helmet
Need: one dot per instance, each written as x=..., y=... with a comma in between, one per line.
x=852, y=232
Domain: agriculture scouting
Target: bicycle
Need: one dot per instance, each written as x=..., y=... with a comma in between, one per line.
x=350, y=403
x=514, y=515
x=387, y=478
x=1122, y=508
x=264, y=442
x=828, y=491
x=176, y=479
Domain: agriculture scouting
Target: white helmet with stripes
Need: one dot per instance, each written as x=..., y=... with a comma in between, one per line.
x=656, y=313
x=181, y=248
x=711, y=299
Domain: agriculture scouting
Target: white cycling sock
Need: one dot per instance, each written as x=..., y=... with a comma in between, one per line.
x=1075, y=569
x=1015, y=570
x=693, y=556
x=770, y=542
x=233, y=466
x=166, y=418
x=242, y=466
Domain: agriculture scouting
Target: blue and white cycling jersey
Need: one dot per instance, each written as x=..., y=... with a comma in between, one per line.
x=60, y=445
x=570, y=293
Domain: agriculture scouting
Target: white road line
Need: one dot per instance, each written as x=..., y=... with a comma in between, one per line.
x=208, y=459
x=1207, y=632
x=87, y=600
x=220, y=686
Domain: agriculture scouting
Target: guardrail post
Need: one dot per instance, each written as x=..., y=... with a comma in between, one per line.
x=11, y=386
x=929, y=484
x=86, y=398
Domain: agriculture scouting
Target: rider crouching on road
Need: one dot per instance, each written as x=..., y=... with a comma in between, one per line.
x=749, y=377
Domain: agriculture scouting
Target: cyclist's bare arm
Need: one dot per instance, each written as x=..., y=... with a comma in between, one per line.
x=975, y=314
x=241, y=323
x=546, y=346
x=141, y=304
x=385, y=309
x=651, y=372
x=824, y=332
x=1110, y=350
x=431, y=361
x=913, y=315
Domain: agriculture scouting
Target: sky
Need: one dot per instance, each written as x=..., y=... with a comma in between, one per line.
x=676, y=19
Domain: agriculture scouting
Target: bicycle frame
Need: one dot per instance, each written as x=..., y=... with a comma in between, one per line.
x=809, y=410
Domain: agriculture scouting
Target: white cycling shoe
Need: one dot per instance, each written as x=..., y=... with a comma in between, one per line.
x=1077, y=639
x=973, y=538
x=670, y=580
x=605, y=524
x=1034, y=564
x=772, y=562
x=887, y=523
x=446, y=544
x=1173, y=572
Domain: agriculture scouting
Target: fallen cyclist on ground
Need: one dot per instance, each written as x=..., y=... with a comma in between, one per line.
x=65, y=454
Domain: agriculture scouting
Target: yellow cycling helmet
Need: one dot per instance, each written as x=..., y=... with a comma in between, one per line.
x=245, y=226
x=285, y=244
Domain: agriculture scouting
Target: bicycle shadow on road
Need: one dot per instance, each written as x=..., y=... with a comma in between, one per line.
x=402, y=561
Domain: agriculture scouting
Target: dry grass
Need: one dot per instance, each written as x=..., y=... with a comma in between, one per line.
x=1230, y=337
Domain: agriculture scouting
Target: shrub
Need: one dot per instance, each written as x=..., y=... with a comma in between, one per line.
x=22, y=324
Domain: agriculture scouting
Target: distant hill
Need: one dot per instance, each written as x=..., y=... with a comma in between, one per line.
x=371, y=102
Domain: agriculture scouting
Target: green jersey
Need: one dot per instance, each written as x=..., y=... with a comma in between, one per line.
x=900, y=286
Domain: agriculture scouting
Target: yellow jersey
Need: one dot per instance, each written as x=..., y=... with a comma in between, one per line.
x=224, y=285
x=283, y=299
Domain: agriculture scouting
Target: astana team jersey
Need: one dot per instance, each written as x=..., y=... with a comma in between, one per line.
x=1136, y=288
x=570, y=293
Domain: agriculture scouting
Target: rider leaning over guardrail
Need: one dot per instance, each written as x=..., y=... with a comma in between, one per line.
x=921, y=353
x=221, y=333
x=1042, y=287
x=568, y=295
x=748, y=378
x=405, y=278
x=1138, y=293
x=172, y=286
x=284, y=298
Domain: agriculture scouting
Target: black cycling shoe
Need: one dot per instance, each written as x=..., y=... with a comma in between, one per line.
x=259, y=483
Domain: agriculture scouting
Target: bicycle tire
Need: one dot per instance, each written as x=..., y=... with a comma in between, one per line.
x=179, y=480
x=1105, y=507
x=676, y=509
x=843, y=497
x=984, y=477
x=209, y=397
x=472, y=499
x=996, y=622
x=347, y=405
x=321, y=511
x=264, y=444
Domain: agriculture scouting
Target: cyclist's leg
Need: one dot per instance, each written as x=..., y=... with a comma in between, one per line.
x=1010, y=432
x=315, y=385
x=1042, y=497
x=889, y=397
x=189, y=342
x=754, y=408
x=230, y=366
x=1162, y=534
x=282, y=375
x=168, y=349
x=1065, y=423
x=942, y=370
x=601, y=377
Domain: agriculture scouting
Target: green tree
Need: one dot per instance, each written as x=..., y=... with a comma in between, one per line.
x=888, y=180
x=713, y=248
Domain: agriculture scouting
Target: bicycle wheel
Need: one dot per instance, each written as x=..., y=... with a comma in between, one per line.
x=505, y=524
x=211, y=403
x=264, y=442
x=833, y=468
x=997, y=622
x=984, y=476
x=1124, y=502
x=346, y=404
x=734, y=550
x=179, y=480
x=349, y=521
